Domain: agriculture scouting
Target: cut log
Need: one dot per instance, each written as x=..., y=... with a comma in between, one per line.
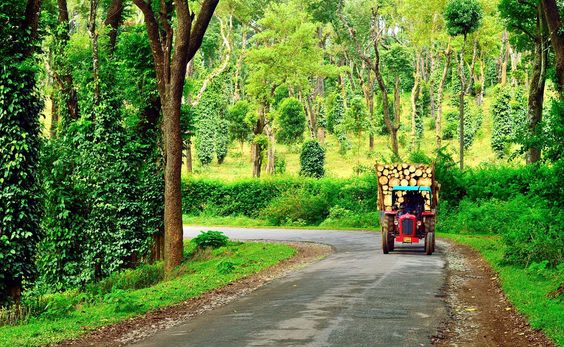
x=394, y=182
x=388, y=200
x=400, y=200
x=396, y=175
x=380, y=168
x=384, y=187
x=383, y=180
x=429, y=170
x=395, y=170
x=404, y=182
x=418, y=172
x=385, y=172
x=406, y=172
x=404, y=165
x=411, y=168
x=424, y=175
x=425, y=182
x=412, y=182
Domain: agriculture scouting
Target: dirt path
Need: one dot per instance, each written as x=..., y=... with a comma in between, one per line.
x=141, y=327
x=480, y=314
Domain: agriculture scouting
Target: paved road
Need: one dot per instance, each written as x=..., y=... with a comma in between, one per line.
x=355, y=297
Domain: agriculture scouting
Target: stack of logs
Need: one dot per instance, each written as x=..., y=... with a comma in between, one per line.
x=390, y=175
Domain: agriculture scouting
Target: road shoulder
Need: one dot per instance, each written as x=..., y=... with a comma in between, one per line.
x=479, y=312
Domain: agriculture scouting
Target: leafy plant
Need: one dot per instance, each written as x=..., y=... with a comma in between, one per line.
x=312, y=159
x=211, y=239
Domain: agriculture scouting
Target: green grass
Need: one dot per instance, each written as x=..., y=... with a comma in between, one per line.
x=349, y=223
x=526, y=288
x=73, y=314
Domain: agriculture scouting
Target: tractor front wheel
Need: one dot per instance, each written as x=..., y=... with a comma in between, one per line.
x=385, y=245
x=430, y=243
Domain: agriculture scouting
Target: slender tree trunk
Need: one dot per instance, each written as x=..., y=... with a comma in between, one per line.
x=257, y=149
x=461, y=106
x=536, y=90
x=554, y=23
x=414, y=97
x=238, y=67
x=271, y=150
x=54, y=117
x=472, y=66
x=431, y=84
x=481, y=92
x=505, y=56
x=188, y=156
x=439, y=117
x=114, y=20
x=95, y=56
x=60, y=71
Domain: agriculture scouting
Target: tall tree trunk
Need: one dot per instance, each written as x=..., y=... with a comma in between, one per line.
x=54, y=117
x=238, y=67
x=554, y=23
x=95, y=56
x=431, y=84
x=461, y=106
x=472, y=66
x=536, y=90
x=481, y=92
x=414, y=97
x=438, y=118
x=502, y=61
x=114, y=19
x=170, y=58
x=257, y=149
x=271, y=149
x=62, y=76
x=188, y=156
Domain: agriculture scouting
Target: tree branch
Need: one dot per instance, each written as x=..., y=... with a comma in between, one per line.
x=199, y=29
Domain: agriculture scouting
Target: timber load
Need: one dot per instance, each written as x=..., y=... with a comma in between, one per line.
x=415, y=175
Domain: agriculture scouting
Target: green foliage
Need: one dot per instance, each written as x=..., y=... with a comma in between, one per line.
x=205, y=135
x=291, y=121
x=296, y=208
x=450, y=127
x=211, y=239
x=356, y=119
x=249, y=197
x=20, y=107
x=312, y=159
x=103, y=202
x=279, y=165
x=462, y=17
x=336, y=120
x=239, y=127
x=502, y=122
x=221, y=140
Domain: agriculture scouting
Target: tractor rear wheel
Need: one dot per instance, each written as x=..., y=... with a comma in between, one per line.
x=430, y=243
x=387, y=236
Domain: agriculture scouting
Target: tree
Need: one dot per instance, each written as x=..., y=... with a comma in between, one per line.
x=20, y=107
x=553, y=17
x=172, y=49
x=526, y=21
x=356, y=118
x=312, y=159
x=462, y=17
x=291, y=121
x=239, y=128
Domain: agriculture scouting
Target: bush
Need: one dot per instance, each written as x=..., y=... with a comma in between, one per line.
x=312, y=159
x=210, y=239
x=301, y=208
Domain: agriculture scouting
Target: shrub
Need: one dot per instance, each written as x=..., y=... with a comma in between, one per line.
x=299, y=207
x=312, y=159
x=211, y=239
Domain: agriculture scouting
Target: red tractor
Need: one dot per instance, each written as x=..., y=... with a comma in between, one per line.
x=408, y=211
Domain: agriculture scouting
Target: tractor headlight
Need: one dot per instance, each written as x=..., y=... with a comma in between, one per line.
x=418, y=223
x=396, y=222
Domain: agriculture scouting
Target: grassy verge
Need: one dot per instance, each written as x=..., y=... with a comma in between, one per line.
x=527, y=288
x=71, y=314
x=247, y=222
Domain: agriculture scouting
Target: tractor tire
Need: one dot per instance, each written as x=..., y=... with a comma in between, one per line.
x=385, y=244
x=387, y=239
x=430, y=243
x=430, y=228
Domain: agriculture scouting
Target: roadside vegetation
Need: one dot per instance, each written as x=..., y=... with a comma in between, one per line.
x=211, y=261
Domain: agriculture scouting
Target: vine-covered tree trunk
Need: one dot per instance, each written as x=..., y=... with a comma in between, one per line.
x=114, y=20
x=271, y=149
x=536, y=90
x=439, y=117
x=95, y=56
x=554, y=23
x=414, y=96
x=462, y=79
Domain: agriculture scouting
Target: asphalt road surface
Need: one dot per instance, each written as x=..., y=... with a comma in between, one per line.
x=357, y=296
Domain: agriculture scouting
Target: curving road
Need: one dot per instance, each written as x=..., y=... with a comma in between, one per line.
x=355, y=297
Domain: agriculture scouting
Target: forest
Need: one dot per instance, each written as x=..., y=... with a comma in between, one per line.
x=123, y=120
